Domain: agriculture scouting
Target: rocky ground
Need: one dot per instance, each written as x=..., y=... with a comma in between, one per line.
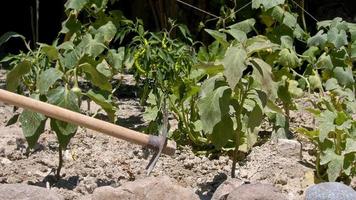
x=94, y=160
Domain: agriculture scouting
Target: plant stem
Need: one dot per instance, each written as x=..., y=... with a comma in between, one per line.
x=60, y=163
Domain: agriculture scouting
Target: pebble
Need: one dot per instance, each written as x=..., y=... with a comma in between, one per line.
x=5, y=161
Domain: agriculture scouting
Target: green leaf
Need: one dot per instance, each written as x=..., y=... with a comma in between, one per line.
x=288, y=58
x=90, y=46
x=116, y=59
x=263, y=75
x=331, y=84
x=213, y=107
x=8, y=35
x=67, y=99
x=267, y=4
x=344, y=76
x=240, y=36
x=47, y=79
x=32, y=124
x=245, y=26
x=14, y=76
x=335, y=164
x=105, y=33
x=255, y=117
x=337, y=38
x=326, y=121
x=258, y=43
x=77, y=5
x=96, y=78
x=222, y=132
x=12, y=120
x=104, y=103
x=353, y=50
x=318, y=40
x=234, y=65
x=289, y=20
x=350, y=146
x=50, y=51
x=294, y=90
x=104, y=68
x=324, y=62
x=71, y=24
x=150, y=113
x=315, y=82
x=220, y=37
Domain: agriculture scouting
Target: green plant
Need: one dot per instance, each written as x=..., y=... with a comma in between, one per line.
x=52, y=73
x=335, y=138
x=163, y=66
x=240, y=86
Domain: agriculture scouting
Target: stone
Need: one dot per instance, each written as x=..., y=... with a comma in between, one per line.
x=256, y=191
x=26, y=192
x=330, y=191
x=159, y=188
x=225, y=188
x=289, y=148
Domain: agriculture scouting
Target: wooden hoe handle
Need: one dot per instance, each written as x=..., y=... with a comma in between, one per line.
x=69, y=116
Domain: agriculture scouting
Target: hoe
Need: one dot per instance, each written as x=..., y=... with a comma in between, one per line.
x=158, y=143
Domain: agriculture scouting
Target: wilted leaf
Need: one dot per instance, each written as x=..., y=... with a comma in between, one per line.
x=288, y=58
x=318, y=40
x=50, y=51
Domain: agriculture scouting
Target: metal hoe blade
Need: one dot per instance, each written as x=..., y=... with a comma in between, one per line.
x=163, y=141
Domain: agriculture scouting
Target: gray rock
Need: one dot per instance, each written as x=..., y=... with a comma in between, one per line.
x=26, y=192
x=330, y=191
x=158, y=188
x=289, y=148
x=256, y=192
x=225, y=188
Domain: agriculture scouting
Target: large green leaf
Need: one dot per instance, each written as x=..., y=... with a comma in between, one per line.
x=245, y=26
x=116, y=59
x=90, y=46
x=267, y=4
x=105, y=103
x=213, y=107
x=318, y=40
x=50, y=51
x=105, y=33
x=47, y=79
x=220, y=37
x=234, y=65
x=258, y=43
x=67, y=99
x=96, y=78
x=14, y=76
x=222, y=132
x=344, y=76
x=326, y=121
x=104, y=68
x=335, y=163
x=32, y=125
x=288, y=58
x=337, y=38
x=263, y=75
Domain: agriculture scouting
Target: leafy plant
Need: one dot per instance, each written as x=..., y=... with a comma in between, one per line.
x=52, y=73
x=335, y=138
x=163, y=65
x=234, y=97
